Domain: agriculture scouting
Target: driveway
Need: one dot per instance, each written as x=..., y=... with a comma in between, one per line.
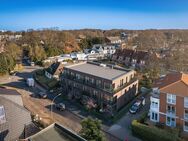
x=122, y=128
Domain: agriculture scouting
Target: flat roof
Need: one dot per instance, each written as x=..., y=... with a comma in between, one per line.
x=107, y=72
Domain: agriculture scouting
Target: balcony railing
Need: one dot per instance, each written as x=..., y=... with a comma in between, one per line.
x=94, y=85
x=125, y=85
x=171, y=113
x=87, y=83
x=186, y=116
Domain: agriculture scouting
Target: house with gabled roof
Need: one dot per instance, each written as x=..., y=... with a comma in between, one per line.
x=54, y=70
x=169, y=100
x=55, y=132
x=14, y=118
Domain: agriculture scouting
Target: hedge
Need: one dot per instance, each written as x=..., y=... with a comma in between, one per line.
x=150, y=133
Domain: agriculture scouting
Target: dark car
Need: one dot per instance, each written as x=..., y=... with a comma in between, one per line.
x=42, y=95
x=135, y=107
x=60, y=106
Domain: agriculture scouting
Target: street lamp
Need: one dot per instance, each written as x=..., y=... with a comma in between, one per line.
x=52, y=104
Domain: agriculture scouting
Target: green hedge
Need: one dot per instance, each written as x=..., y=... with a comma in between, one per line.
x=150, y=133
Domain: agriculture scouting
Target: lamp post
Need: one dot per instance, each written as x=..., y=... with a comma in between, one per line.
x=52, y=104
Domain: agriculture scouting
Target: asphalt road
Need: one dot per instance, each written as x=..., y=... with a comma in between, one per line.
x=68, y=118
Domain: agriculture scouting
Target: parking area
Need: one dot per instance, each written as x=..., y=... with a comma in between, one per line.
x=122, y=128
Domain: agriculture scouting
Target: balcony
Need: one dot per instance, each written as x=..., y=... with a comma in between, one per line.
x=125, y=85
x=185, y=128
x=94, y=85
x=87, y=83
x=186, y=116
x=171, y=113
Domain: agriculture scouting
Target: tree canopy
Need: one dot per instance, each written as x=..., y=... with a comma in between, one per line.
x=91, y=130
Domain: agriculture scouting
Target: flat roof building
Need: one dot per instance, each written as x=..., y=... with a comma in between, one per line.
x=107, y=86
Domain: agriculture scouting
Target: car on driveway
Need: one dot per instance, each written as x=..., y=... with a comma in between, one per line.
x=60, y=106
x=42, y=95
x=137, y=105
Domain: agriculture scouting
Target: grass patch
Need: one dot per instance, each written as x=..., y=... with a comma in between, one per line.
x=43, y=80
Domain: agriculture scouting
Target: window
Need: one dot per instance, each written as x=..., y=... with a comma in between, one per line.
x=171, y=98
x=186, y=126
x=154, y=116
x=170, y=121
x=186, y=114
x=121, y=82
x=186, y=102
x=154, y=104
x=98, y=83
x=171, y=109
x=78, y=76
x=107, y=85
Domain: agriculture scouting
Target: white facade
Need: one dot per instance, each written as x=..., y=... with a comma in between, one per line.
x=30, y=82
x=154, y=105
x=154, y=109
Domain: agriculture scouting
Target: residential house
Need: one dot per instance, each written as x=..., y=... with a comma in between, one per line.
x=93, y=54
x=55, y=132
x=129, y=57
x=169, y=100
x=107, y=50
x=14, y=118
x=108, y=86
x=113, y=40
x=54, y=70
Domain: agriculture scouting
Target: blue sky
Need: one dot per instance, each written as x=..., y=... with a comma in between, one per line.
x=104, y=14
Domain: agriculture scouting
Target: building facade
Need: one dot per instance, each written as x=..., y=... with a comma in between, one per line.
x=129, y=57
x=110, y=87
x=169, y=101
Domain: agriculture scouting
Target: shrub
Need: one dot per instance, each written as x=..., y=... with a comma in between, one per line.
x=143, y=117
x=148, y=133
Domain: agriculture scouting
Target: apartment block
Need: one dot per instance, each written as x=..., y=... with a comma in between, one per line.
x=169, y=101
x=109, y=86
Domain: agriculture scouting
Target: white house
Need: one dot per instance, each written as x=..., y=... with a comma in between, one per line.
x=154, y=105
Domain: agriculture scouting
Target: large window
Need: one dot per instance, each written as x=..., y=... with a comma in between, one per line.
x=171, y=109
x=107, y=86
x=121, y=82
x=186, y=126
x=171, y=99
x=186, y=102
x=186, y=114
x=154, y=116
x=154, y=104
x=170, y=121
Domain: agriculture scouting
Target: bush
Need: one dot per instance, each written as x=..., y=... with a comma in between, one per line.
x=143, y=117
x=148, y=133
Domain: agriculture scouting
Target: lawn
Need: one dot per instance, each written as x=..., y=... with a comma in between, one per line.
x=43, y=80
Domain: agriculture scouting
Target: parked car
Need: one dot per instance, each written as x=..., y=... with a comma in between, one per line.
x=42, y=95
x=137, y=105
x=60, y=106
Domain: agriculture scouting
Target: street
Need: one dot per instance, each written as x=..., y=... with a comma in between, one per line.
x=68, y=118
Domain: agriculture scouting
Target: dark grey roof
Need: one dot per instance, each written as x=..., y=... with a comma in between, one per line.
x=54, y=68
x=16, y=117
x=55, y=132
